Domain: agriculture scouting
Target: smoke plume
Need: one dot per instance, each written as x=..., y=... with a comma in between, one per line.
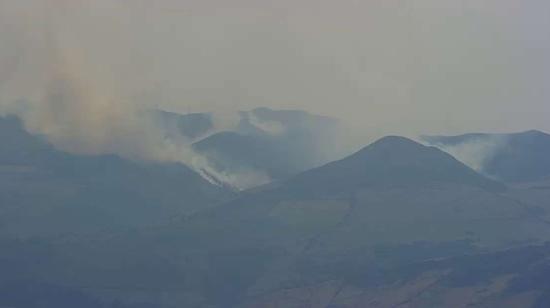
x=476, y=151
x=59, y=92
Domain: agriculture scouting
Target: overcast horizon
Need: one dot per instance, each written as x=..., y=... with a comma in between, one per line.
x=423, y=67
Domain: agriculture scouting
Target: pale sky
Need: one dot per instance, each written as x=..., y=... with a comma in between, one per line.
x=423, y=66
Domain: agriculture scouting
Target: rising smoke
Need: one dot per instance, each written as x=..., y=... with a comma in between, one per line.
x=59, y=92
x=475, y=152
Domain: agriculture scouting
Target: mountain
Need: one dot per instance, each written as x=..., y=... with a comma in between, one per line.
x=358, y=224
x=375, y=228
x=391, y=161
x=46, y=191
x=393, y=203
x=265, y=145
x=518, y=157
x=276, y=143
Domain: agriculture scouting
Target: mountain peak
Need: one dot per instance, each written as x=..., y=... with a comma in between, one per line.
x=532, y=133
x=399, y=150
x=394, y=141
x=390, y=162
x=392, y=144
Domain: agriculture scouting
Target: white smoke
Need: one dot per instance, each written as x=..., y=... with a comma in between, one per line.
x=270, y=127
x=64, y=93
x=475, y=152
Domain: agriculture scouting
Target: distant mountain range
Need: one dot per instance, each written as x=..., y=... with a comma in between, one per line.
x=274, y=143
x=397, y=223
x=282, y=143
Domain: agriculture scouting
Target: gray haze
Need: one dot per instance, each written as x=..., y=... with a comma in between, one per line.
x=80, y=72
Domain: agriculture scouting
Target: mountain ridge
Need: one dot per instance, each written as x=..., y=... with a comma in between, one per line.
x=391, y=161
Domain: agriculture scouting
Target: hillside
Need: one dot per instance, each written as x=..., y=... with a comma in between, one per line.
x=47, y=192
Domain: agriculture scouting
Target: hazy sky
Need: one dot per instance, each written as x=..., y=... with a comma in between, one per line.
x=422, y=66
